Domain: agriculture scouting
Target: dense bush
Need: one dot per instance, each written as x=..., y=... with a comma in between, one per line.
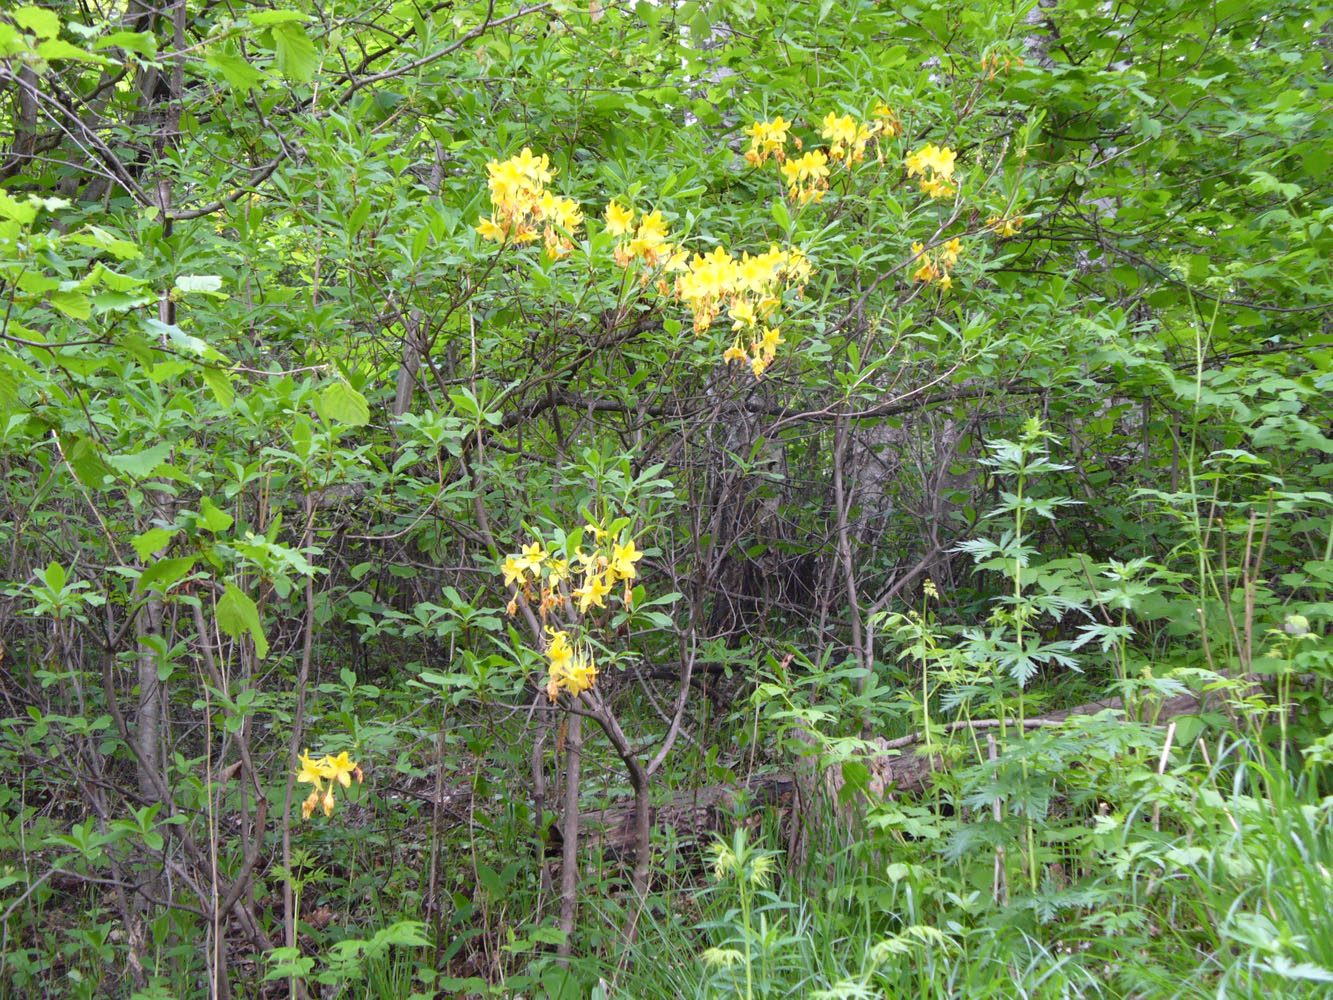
x=656, y=500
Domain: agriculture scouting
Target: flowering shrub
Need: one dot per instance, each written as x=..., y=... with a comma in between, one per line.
x=577, y=582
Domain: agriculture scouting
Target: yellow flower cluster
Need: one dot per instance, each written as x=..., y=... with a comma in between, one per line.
x=936, y=267
x=888, y=120
x=649, y=241
x=754, y=348
x=523, y=207
x=1003, y=226
x=935, y=166
x=568, y=669
x=323, y=773
x=750, y=289
x=542, y=576
x=767, y=139
x=846, y=137
x=807, y=176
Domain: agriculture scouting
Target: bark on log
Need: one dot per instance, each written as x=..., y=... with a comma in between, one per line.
x=696, y=814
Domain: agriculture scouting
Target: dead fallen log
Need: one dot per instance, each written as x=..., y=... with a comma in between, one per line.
x=695, y=815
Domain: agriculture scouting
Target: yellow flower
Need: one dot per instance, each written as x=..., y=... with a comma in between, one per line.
x=1003, y=226
x=310, y=773
x=558, y=650
x=936, y=188
x=592, y=593
x=567, y=670
x=514, y=570
x=317, y=770
x=767, y=139
x=532, y=557
x=888, y=119
x=847, y=139
x=735, y=353
x=623, y=558
x=339, y=768
x=652, y=228
x=490, y=230
x=935, y=166
x=619, y=221
x=771, y=339
x=807, y=177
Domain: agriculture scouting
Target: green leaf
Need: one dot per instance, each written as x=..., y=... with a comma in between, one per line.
x=236, y=70
x=75, y=305
x=140, y=463
x=296, y=56
x=198, y=283
x=58, y=48
x=340, y=403
x=39, y=21
x=142, y=42
x=21, y=212
x=220, y=382
x=212, y=518
x=268, y=18
x=237, y=615
x=152, y=541
x=164, y=574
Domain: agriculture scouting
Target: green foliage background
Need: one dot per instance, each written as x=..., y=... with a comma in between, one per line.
x=271, y=413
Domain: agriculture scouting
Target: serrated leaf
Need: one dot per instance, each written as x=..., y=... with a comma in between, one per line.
x=237, y=615
x=212, y=518
x=152, y=541
x=37, y=20
x=140, y=463
x=296, y=56
x=236, y=70
x=340, y=403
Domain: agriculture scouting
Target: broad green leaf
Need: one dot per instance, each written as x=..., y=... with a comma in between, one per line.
x=340, y=403
x=235, y=69
x=164, y=574
x=296, y=56
x=220, y=383
x=237, y=615
x=41, y=22
x=143, y=43
x=139, y=464
x=152, y=541
x=267, y=18
x=198, y=282
x=75, y=305
x=57, y=48
x=213, y=518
